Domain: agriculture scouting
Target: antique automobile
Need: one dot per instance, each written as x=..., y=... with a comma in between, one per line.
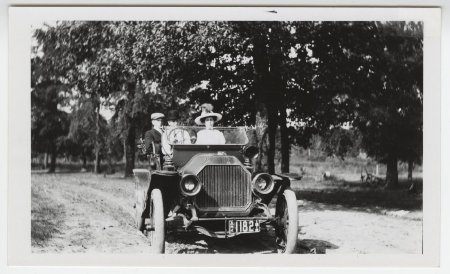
x=213, y=189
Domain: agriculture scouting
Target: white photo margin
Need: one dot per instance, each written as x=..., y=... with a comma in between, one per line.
x=19, y=166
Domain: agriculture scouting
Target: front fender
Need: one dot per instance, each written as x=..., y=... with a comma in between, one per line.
x=168, y=183
x=281, y=183
x=141, y=179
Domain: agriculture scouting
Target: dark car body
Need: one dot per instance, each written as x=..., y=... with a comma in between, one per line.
x=227, y=199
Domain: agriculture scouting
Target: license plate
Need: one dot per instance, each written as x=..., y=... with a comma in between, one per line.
x=243, y=226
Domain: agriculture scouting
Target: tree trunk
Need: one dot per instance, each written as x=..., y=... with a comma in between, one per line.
x=410, y=169
x=275, y=99
x=46, y=160
x=261, y=137
x=84, y=161
x=261, y=66
x=131, y=133
x=392, y=172
x=110, y=169
x=267, y=58
x=272, y=130
x=52, y=167
x=130, y=149
x=285, y=145
x=97, y=139
x=124, y=158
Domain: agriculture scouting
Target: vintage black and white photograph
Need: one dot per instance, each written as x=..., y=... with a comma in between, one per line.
x=247, y=137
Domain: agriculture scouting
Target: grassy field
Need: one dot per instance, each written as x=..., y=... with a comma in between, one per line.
x=313, y=166
x=47, y=215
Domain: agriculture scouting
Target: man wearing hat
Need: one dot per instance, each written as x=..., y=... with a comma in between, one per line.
x=153, y=136
x=209, y=135
x=172, y=134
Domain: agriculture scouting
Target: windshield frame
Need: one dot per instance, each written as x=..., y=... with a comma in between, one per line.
x=241, y=129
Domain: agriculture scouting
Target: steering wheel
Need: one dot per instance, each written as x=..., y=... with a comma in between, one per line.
x=178, y=136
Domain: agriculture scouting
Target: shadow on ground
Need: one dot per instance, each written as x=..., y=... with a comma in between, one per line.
x=338, y=194
x=263, y=243
x=192, y=242
x=314, y=246
x=47, y=217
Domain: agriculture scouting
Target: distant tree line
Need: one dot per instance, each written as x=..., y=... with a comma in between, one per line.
x=295, y=79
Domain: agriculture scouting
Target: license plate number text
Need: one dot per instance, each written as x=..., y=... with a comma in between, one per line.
x=243, y=226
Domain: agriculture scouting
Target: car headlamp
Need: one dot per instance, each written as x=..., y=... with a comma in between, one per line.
x=190, y=185
x=263, y=183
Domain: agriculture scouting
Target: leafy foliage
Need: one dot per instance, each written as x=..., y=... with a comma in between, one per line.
x=304, y=77
x=341, y=142
x=48, y=123
x=83, y=128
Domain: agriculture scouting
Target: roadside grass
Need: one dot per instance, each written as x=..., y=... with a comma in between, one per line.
x=349, y=168
x=63, y=166
x=47, y=216
x=342, y=189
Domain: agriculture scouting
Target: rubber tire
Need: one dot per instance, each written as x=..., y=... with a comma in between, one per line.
x=157, y=236
x=292, y=214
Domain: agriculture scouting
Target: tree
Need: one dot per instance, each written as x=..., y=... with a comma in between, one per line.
x=48, y=123
x=88, y=58
x=301, y=78
x=245, y=68
x=341, y=142
x=391, y=123
x=143, y=62
x=48, y=86
x=83, y=130
x=374, y=80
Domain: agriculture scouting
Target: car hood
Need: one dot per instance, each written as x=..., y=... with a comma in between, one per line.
x=199, y=161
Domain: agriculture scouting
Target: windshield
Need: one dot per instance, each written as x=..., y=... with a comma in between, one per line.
x=184, y=135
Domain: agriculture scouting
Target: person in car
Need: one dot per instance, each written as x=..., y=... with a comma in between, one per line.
x=172, y=134
x=209, y=135
x=153, y=136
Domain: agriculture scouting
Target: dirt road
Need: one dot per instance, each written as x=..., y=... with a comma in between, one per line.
x=89, y=213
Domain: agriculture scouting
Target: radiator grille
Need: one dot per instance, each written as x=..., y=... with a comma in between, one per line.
x=225, y=187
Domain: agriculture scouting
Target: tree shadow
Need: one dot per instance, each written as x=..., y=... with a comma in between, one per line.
x=261, y=243
x=194, y=243
x=356, y=195
x=312, y=246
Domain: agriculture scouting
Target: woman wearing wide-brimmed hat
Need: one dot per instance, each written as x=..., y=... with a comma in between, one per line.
x=209, y=135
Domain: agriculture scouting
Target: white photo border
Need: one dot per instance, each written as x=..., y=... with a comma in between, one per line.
x=19, y=170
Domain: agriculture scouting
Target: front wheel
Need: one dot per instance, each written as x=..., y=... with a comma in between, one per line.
x=286, y=230
x=156, y=232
